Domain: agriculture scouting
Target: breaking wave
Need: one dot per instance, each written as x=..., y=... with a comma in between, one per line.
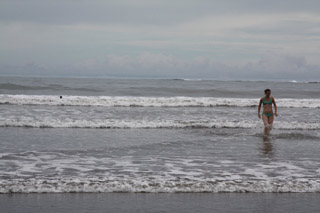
x=146, y=124
x=131, y=101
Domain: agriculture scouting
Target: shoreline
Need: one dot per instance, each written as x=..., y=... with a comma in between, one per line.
x=160, y=202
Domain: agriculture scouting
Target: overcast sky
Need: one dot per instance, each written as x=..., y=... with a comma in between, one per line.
x=208, y=39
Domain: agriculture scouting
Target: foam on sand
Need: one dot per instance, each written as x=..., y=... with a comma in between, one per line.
x=67, y=185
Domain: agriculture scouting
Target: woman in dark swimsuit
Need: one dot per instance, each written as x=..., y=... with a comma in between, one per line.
x=267, y=113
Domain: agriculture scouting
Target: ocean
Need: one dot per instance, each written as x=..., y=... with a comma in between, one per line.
x=156, y=135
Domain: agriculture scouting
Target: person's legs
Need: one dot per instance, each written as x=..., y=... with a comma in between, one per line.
x=265, y=120
x=270, y=122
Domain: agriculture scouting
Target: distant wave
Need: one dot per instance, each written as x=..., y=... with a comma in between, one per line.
x=93, y=185
x=146, y=124
x=56, y=87
x=10, y=86
x=131, y=101
x=188, y=79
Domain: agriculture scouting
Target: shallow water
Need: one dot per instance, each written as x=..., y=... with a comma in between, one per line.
x=156, y=136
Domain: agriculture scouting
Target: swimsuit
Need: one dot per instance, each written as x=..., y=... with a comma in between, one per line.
x=268, y=114
x=267, y=103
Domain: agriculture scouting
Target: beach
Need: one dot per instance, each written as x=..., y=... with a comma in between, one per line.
x=161, y=202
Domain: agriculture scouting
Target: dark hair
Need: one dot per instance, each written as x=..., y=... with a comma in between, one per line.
x=267, y=90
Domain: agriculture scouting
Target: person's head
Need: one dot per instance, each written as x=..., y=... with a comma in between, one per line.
x=267, y=92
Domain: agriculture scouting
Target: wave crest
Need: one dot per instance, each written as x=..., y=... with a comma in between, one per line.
x=131, y=101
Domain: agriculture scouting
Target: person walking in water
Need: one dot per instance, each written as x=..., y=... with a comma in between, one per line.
x=267, y=113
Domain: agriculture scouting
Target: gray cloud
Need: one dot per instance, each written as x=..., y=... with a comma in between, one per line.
x=139, y=11
x=146, y=38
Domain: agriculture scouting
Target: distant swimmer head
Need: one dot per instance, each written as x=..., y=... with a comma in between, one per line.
x=60, y=96
x=267, y=92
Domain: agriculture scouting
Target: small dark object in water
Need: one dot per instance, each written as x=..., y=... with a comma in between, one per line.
x=60, y=96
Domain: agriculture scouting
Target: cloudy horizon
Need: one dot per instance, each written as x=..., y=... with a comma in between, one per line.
x=161, y=39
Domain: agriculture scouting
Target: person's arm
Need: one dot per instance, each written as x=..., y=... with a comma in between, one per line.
x=275, y=107
x=259, y=107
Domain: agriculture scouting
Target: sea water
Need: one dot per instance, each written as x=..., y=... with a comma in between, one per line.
x=156, y=135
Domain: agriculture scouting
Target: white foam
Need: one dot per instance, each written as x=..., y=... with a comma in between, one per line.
x=50, y=122
x=131, y=101
x=67, y=185
x=48, y=172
